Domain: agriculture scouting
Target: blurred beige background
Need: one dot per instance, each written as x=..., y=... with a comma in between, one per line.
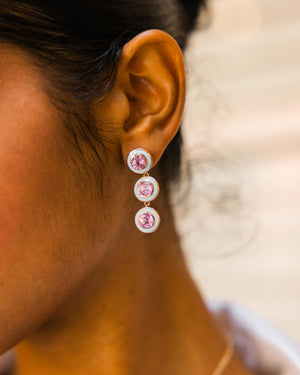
x=241, y=228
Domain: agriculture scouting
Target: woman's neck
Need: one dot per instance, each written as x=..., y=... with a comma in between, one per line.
x=139, y=313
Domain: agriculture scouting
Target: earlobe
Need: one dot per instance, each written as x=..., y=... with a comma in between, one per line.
x=152, y=76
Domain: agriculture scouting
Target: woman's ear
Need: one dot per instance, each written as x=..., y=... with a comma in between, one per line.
x=149, y=93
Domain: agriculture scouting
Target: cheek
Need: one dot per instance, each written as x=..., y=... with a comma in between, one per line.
x=40, y=245
x=22, y=161
x=27, y=157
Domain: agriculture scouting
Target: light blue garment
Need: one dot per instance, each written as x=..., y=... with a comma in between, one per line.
x=263, y=347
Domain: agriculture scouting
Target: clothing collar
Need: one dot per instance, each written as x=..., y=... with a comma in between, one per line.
x=263, y=347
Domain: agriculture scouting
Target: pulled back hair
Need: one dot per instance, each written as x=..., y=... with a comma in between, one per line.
x=77, y=44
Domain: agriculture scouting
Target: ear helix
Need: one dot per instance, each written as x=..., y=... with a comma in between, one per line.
x=146, y=190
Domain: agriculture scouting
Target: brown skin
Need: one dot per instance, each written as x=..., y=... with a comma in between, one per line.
x=82, y=290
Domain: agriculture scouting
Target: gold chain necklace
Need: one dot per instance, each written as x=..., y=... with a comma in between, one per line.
x=226, y=357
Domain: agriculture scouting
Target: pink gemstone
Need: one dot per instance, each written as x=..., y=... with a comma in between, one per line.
x=146, y=220
x=139, y=161
x=145, y=188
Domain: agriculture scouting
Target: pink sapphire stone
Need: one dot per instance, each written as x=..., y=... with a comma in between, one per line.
x=146, y=220
x=139, y=161
x=145, y=189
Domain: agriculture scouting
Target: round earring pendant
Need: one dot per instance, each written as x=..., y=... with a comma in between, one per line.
x=146, y=189
x=139, y=160
x=147, y=220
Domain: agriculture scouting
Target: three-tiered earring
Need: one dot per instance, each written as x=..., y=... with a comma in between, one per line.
x=146, y=190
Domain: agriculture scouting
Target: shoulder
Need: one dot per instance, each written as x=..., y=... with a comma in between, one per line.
x=262, y=346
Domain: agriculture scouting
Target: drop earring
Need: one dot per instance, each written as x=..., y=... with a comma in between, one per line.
x=146, y=189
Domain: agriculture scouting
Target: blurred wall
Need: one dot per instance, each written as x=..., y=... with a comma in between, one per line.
x=241, y=228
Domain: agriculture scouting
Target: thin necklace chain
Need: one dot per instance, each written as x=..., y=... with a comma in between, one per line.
x=224, y=361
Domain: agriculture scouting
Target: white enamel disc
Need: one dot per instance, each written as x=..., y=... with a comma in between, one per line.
x=154, y=193
x=135, y=152
x=147, y=220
